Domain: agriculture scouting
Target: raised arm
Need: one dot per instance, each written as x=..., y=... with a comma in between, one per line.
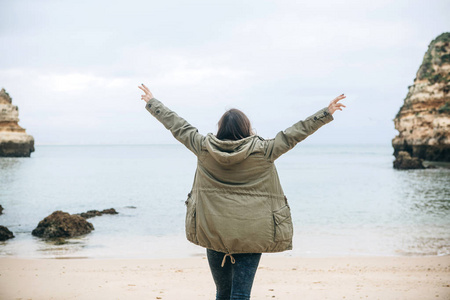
x=183, y=131
x=287, y=139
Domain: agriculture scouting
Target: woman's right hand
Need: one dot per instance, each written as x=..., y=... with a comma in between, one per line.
x=334, y=105
x=148, y=95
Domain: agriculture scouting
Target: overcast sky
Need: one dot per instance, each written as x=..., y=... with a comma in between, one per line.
x=73, y=67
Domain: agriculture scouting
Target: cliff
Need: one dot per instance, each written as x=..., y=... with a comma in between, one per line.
x=423, y=121
x=13, y=139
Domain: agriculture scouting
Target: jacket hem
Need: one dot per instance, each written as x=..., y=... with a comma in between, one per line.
x=274, y=250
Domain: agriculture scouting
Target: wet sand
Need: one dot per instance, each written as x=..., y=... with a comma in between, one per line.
x=189, y=278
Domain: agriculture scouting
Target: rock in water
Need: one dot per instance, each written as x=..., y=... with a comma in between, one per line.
x=14, y=141
x=90, y=214
x=109, y=211
x=62, y=224
x=1, y=209
x=404, y=161
x=96, y=213
x=5, y=234
x=423, y=121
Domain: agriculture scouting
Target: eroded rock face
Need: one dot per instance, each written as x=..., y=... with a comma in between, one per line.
x=5, y=234
x=423, y=121
x=61, y=224
x=14, y=141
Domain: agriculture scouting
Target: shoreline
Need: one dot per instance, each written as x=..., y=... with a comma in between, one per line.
x=351, y=277
x=308, y=242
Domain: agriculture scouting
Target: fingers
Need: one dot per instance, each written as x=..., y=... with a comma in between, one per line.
x=337, y=106
x=148, y=95
x=144, y=88
x=340, y=97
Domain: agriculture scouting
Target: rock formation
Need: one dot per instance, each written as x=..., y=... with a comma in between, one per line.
x=96, y=213
x=1, y=209
x=13, y=139
x=423, y=121
x=405, y=161
x=61, y=224
x=5, y=234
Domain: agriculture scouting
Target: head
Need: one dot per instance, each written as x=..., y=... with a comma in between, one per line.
x=234, y=125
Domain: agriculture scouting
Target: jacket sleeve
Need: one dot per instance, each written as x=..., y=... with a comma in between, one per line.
x=287, y=139
x=183, y=131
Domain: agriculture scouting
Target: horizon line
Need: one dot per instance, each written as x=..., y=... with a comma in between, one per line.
x=173, y=144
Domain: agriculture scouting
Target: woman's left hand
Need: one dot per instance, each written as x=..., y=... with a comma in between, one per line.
x=148, y=95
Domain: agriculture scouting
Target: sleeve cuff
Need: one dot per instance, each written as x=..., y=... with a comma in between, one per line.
x=323, y=115
x=151, y=105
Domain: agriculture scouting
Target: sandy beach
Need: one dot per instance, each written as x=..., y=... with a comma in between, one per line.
x=189, y=278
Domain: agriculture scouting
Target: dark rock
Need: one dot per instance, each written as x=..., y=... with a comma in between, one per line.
x=436, y=165
x=404, y=161
x=110, y=211
x=5, y=234
x=90, y=214
x=62, y=224
x=433, y=153
x=1, y=209
x=96, y=213
x=16, y=149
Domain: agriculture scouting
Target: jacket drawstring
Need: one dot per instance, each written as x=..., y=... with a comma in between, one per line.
x=225, y=258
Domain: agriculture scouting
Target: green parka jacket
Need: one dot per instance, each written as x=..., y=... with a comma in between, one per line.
x=237, y=204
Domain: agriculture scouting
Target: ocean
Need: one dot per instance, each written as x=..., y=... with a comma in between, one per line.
x=345, y=200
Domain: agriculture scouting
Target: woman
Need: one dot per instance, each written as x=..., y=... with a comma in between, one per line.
x=236, y=207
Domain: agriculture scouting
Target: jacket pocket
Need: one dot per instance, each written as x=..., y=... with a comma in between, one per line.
x=283, y=224
x=190, y=218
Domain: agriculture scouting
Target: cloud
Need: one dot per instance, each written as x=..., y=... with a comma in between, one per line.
x=276, y=60
x=77, y=82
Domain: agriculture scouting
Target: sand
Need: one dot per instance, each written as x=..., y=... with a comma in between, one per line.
x=189, y=278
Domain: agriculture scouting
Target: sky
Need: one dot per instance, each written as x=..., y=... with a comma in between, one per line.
x=73, y=67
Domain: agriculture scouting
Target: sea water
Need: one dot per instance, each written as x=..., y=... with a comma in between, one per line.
x=345, y=200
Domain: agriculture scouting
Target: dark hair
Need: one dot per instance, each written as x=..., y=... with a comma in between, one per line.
x=234, y=125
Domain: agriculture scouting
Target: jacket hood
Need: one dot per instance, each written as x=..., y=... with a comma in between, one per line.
x=229, y=152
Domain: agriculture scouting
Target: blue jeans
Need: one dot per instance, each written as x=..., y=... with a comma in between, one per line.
x=233, y=281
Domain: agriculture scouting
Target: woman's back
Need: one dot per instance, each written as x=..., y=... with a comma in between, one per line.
x=234, y=197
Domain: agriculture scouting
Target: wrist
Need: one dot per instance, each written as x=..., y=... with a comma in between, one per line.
x=330, y=110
